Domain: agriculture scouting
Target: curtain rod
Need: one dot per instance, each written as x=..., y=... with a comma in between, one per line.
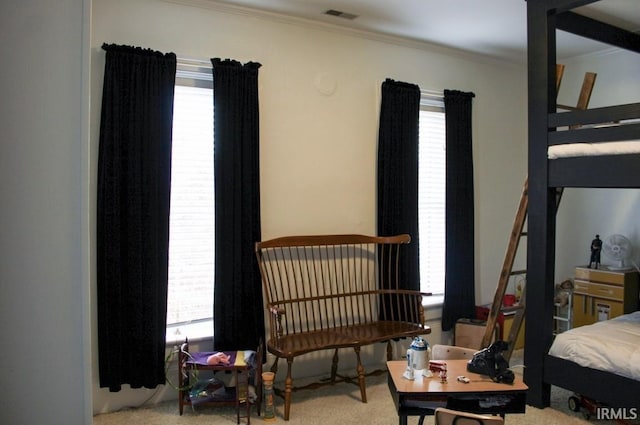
x=192, y=62
x=432, y=93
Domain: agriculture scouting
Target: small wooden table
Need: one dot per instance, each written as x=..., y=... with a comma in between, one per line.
x=238, y=366
x=422, y=395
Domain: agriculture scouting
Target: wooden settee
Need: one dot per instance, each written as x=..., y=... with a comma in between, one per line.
x=336, y=291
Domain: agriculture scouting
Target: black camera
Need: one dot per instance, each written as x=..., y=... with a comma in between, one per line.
x=490, y=362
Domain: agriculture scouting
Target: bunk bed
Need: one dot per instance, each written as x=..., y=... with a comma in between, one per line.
x=549, y=171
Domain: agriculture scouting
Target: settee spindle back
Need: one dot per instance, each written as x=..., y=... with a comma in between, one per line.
x=325, y=282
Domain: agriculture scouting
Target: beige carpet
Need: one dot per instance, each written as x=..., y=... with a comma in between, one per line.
x=339, y=404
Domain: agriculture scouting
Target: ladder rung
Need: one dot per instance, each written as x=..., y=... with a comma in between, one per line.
x=518, y=272
x=512, y=308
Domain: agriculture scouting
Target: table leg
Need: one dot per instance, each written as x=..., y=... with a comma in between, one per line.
x=235, y=374
x=245, y=374
x=402, y=420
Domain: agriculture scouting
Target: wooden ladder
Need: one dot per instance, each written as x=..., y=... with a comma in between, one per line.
x=517, y=233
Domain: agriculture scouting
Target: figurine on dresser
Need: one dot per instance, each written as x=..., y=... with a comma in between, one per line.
x=596, y=248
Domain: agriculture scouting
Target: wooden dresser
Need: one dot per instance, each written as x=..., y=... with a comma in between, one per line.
x=601, y=294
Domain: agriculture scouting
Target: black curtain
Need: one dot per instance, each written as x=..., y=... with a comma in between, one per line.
x=398, y=172
x=238, y=311
x=134, y=181
x=459, y=292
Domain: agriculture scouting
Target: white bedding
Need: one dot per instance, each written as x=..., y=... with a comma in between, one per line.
x=592, y=149
x=612, y=345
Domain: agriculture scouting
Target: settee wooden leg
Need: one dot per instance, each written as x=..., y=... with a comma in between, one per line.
x=361, y=381
x=334, y=367
x=288, y=387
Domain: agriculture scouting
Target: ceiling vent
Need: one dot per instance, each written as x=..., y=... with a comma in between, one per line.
x=339, y=14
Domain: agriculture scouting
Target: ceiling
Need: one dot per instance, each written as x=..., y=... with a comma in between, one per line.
x=496, y=28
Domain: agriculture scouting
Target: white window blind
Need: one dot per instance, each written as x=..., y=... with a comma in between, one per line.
x=191, y=221
x=431, y=194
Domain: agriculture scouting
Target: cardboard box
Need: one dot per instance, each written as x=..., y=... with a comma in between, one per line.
x=469, y=333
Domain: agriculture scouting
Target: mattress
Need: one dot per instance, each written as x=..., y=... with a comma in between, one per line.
x=592, y=149
x=611, y=345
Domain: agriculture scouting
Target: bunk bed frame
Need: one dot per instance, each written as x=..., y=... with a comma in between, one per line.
x=617, y=171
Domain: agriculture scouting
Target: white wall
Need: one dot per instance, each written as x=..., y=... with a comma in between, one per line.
x=586, y=212
x=44, y=305
x=318, y=151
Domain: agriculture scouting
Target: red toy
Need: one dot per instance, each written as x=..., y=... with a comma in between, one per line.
x=437, y=366
x=578, y=402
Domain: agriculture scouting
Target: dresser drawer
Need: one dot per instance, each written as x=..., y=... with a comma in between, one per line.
x=599, y=290
x=581, y=287
x=596, y=275
x=606, y=291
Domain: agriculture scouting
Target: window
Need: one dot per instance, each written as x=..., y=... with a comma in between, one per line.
x=191, y=220
x=431, y=193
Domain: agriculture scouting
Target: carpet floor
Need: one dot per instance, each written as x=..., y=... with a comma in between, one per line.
x=338, y=404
